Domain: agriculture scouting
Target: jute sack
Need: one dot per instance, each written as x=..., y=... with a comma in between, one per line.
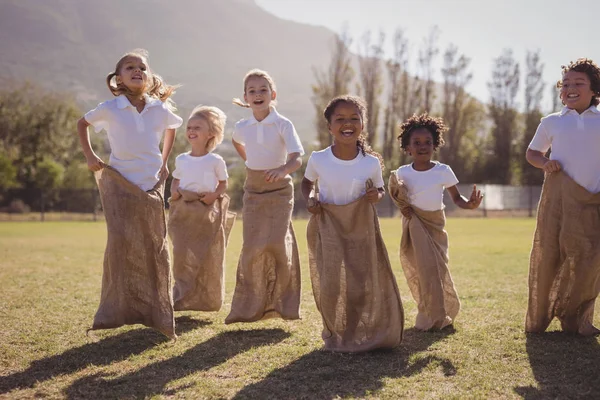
x=564, y=268
x=352, y=280
x=199, y=234
x=136, y=281
x=424, y=259
x=268, y=273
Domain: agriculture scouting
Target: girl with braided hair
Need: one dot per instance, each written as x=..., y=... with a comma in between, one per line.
x=352, y=280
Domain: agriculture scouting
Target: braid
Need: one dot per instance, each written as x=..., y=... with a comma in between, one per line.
x=365, y=148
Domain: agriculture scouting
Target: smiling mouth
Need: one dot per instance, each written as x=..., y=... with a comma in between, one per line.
x=258, y=102
x=192, y=136
x=572, y=96
x=347, y=132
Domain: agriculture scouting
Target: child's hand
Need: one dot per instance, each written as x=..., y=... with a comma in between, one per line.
x=373, y=195
x=407, y=212
x=551, y=166
x=94, y=162
x=208, y=197
x=164, y=171
x=313, y=206
x=475, y=199
x=276, y=174
x=175, y=195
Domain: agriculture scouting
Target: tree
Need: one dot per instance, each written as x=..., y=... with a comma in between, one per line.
x=427, y=55
x=35, y=126
x=396, y=68
x=503, y=90
x=331, y=83
x=455, y=100
x=370, y=78
x=534, y=87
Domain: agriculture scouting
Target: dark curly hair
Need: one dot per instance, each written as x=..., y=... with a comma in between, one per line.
x=434, y=125
x=361, y=105
x=591, y=69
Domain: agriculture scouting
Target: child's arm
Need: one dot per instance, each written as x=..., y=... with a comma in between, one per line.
x=374, y=195
x=94, y=162
x=175, y=189
x=210, y=197
x=240, y=148
x=294, y=161
x=539, y=160
x=312, y=205
x=166, y=151
x=471, y=204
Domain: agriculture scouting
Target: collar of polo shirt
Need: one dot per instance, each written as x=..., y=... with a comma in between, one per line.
x=566, y=109
x=271, y=118
x=123, y=101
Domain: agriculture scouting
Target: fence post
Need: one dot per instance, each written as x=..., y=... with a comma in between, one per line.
x=95, y=201
x=42, y=205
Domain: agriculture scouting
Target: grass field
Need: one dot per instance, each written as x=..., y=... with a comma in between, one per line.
x=50, y=275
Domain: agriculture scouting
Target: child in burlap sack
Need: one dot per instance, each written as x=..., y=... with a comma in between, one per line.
x=352, y=280
x=418, y=189
x=268, y=274
x=198, y=215
x=136, y=283
x=564, y=269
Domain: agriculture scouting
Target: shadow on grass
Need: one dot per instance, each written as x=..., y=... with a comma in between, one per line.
x=564, y=365
x=152, y=379
x=326, y=375
x=106, y=351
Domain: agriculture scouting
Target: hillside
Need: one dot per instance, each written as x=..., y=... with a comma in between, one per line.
x=206, y=46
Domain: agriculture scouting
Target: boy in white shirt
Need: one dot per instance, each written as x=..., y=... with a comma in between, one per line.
x=198, y=215
x=564, y=268
x=418, y=189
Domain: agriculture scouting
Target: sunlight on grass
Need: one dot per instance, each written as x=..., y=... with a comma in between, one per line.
x=50, y=278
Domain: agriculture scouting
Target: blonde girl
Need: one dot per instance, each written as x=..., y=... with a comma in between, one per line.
x=136, y=286
x=268, y=275
x=198, y=216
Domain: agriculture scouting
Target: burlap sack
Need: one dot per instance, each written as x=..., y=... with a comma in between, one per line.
x=352, y=280
x=424, y=259
x=268, y=274
x=136, y=281
x=199, y=235
x=564, y=269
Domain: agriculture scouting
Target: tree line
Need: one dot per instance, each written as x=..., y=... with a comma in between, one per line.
x=485, y=142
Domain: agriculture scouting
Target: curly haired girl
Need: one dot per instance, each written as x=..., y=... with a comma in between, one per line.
x=418, y=189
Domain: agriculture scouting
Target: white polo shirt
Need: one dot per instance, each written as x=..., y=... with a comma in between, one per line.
x=268, y=142
x=426, y=188
x=342, y=181
x=200, y=174
x=575, y=142
x=134, y=137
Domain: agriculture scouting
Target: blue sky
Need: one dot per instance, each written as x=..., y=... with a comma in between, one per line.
x=481, y=29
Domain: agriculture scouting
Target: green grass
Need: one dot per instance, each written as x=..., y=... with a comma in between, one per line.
x=50, y=275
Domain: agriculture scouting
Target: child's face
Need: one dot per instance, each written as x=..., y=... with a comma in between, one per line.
x=576, y=92
x=258, y=94
x=420, y=145
x=198, y=132
x=346, y=123
x=134, y=73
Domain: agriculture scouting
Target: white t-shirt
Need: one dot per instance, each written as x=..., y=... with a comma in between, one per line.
x=342, y=181
x=267, y=142
x=426, y=188
x=134, y=137
x=575, y=142
x=200, y=174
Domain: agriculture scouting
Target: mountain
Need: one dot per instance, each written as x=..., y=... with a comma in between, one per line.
x=205, y=45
